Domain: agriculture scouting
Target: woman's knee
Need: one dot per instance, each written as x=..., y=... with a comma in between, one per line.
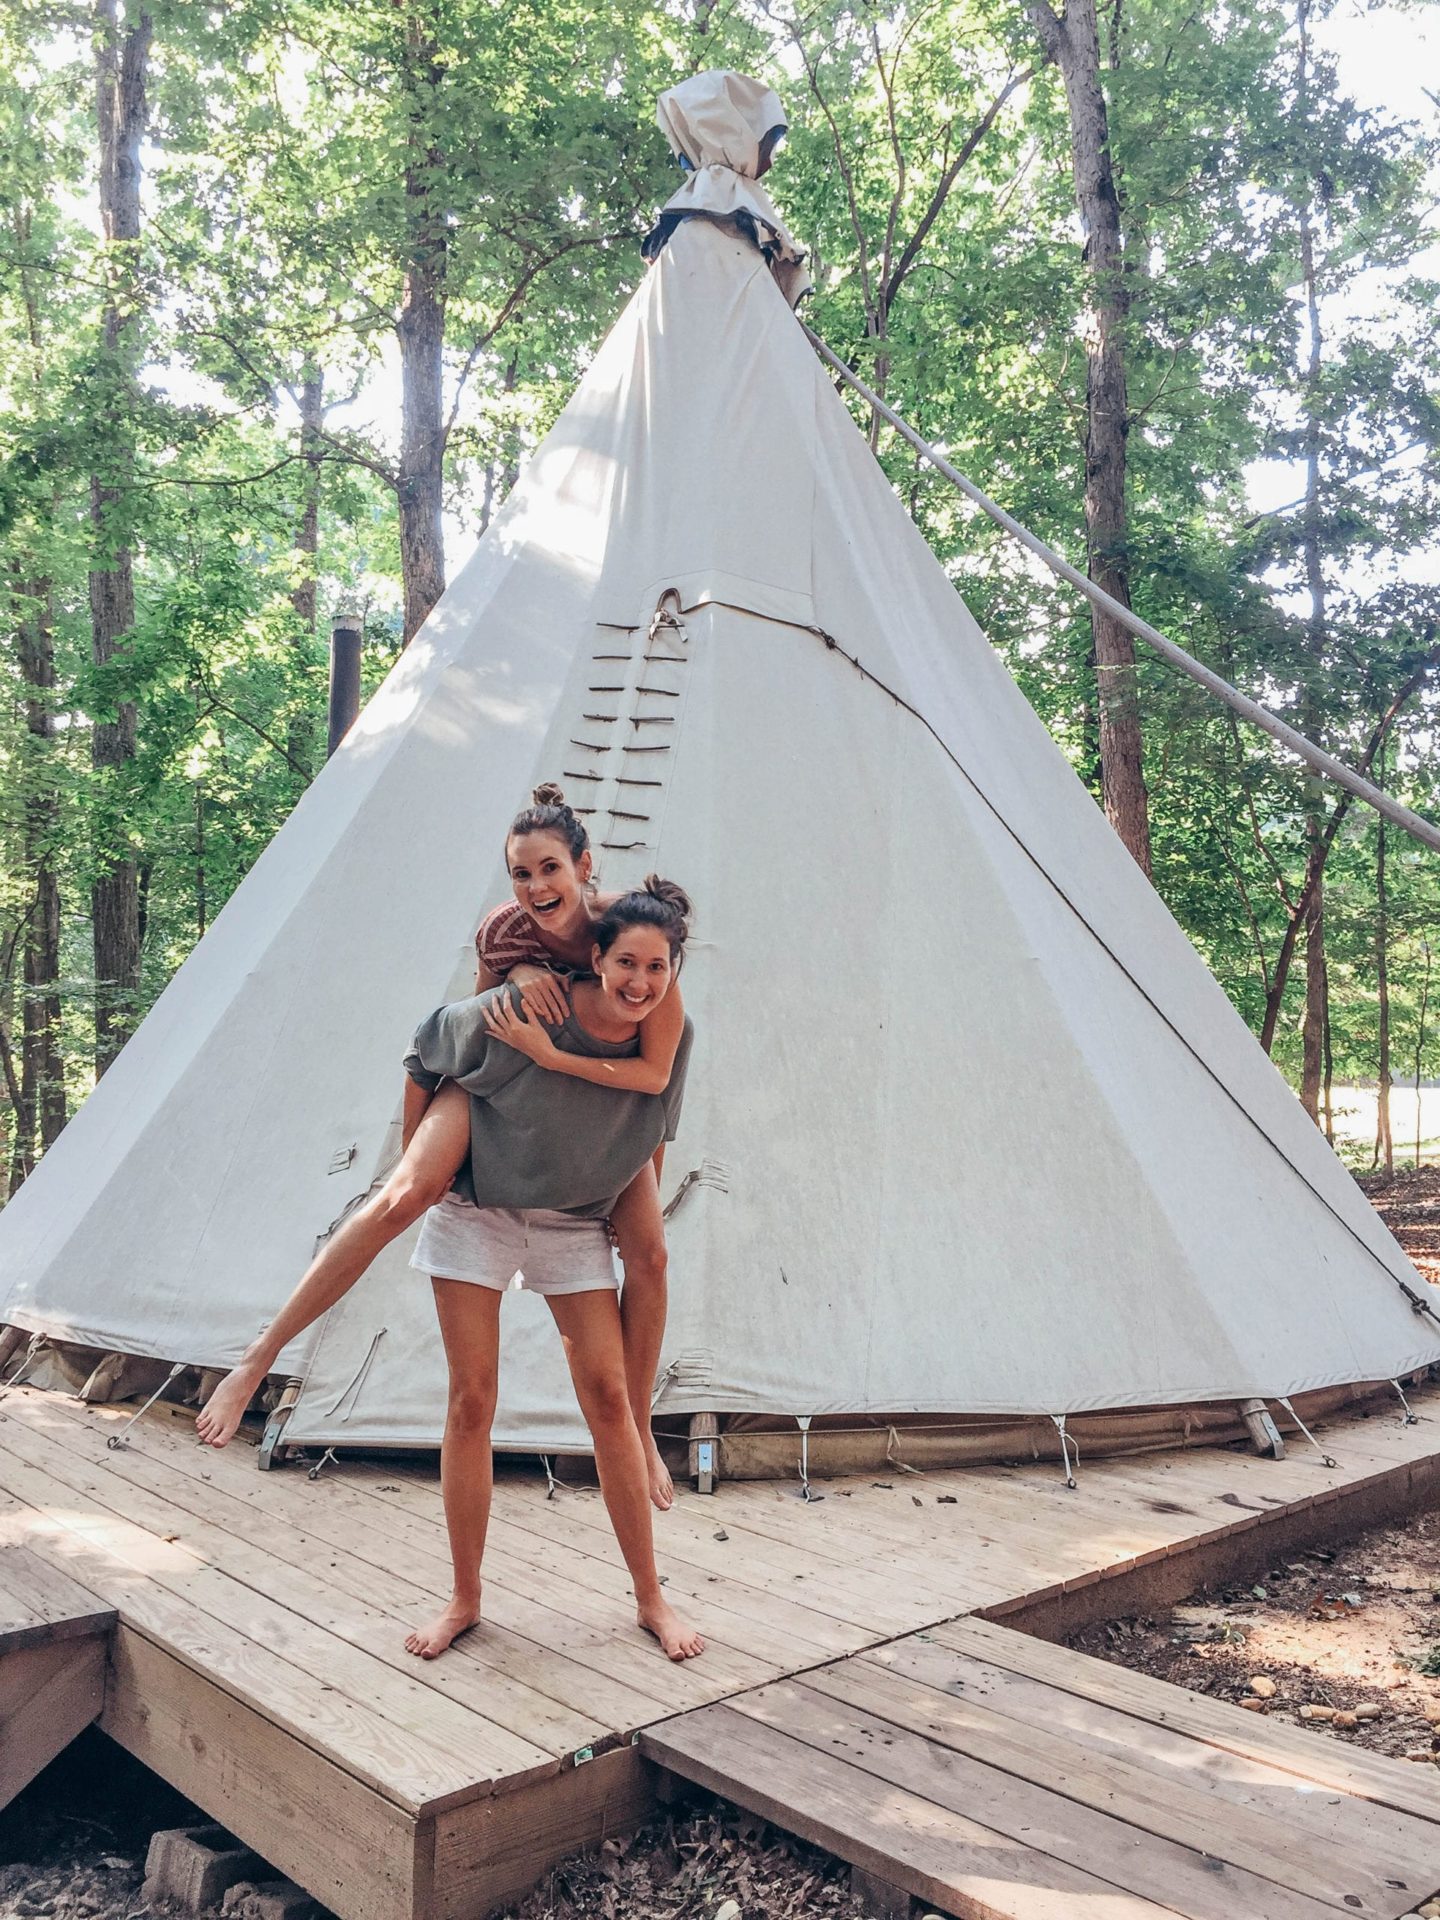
x=408, y=1194
x=471, y=1407
x=645, y=1259
x=604, y=1398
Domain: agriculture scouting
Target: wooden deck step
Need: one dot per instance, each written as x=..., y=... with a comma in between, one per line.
x=53, y=1640
x=998, y=1779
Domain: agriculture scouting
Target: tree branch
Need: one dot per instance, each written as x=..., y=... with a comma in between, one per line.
x=947, y=180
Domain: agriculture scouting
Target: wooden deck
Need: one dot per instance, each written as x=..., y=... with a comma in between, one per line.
x=1000, y=1778
x=258, y=1662
x=53, y=1643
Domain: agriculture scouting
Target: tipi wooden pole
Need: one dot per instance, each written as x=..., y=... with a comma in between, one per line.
x=1306, y=750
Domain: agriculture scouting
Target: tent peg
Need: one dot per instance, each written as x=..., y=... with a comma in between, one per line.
x=1066, y=1443
x=320, y=1465
x=1328, y=1459
x=117, y=1440
x=1262, y=1429
x=1410, y=1418
x=807, y=1492
x=704, y=1451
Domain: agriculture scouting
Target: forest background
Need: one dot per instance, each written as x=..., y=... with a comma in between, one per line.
x=289, y=292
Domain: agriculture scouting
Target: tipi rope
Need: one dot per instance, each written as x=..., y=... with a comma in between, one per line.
x=1251, y=710
x=1418, y=1303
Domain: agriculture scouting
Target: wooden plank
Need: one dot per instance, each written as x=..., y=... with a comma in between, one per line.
x=364, y=1604
x=1188, y=1878
x=1150, y=1798
x=387, y=1760
x=48, y=1693
x=351, y=1848
x=1369, y=1834
x=348, y=1530
x=922, y=1549
x=38, y=1603
x=941, y=1855
x=461, y=1752
x=494, y=1851
x=1312, y=1756
x=570, y=1538
x=856, y=1594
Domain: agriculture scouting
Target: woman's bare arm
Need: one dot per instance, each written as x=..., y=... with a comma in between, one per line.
x=647, y=1072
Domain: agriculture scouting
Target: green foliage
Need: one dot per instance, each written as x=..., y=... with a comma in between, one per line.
x=290, y=152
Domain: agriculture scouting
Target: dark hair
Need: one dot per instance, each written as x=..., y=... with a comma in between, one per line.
x=660, y=903
x=549, y=814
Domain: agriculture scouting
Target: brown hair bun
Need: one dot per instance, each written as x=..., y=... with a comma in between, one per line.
x=547, y=794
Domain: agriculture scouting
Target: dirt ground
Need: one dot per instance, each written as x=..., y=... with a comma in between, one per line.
x=1410, y=1206
x=1355, y=1629
x=1350, y=1631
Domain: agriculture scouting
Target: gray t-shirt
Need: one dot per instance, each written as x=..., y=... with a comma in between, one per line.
x=540, y=1138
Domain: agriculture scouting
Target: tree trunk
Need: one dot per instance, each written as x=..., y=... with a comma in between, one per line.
x=1074, y=42
x=1420, y=1022
x=42, y=1078
x=1313, y=1032
x=120, y=73
x=1316, y=621
x=1384, y=1143
x=421, y=332
x=43, y=1068
x=304, y=595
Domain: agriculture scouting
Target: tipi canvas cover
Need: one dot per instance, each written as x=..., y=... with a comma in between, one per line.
x=970, y=1129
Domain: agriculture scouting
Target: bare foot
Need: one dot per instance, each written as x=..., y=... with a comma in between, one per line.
x=432, y=1640
x=678, y=1641
x=662, y=1487
x=223, y=1411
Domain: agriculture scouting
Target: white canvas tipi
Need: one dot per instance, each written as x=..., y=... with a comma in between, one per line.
x=970, y=1129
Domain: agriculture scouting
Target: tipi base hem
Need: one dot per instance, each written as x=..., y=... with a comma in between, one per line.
x=768, y=1446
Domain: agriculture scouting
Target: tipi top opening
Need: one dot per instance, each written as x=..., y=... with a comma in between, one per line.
x=723, y=128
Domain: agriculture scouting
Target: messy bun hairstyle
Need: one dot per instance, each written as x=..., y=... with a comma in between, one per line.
x=659, y=903
x=549, y=813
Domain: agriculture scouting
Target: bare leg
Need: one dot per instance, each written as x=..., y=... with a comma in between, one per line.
x=640, y=1235
x=423, y=1177
x=589, y=1326
x=470, y=1327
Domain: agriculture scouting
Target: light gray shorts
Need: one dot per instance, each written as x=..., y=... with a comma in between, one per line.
x=500, y=1246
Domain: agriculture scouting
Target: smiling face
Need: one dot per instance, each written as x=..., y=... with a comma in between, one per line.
x=635, y=975
x=548, y=883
